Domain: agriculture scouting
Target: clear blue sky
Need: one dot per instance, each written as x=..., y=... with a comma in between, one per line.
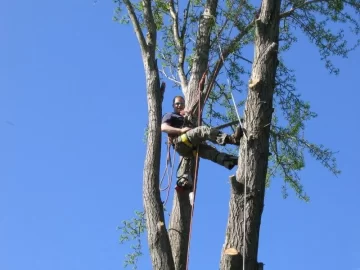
x=72, y=118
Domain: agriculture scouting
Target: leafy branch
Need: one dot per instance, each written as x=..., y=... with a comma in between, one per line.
x=131, y=231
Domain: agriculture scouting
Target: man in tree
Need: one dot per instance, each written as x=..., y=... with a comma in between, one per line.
x=188, y=51
x=186, y=139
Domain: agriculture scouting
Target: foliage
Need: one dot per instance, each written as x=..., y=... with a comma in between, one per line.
x=131, y=231
x=326, y=24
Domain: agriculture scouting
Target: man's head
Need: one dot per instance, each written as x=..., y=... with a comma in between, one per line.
x=178, y=104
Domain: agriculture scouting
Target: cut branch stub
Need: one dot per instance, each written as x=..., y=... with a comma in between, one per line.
x=231, y=251
x=237, y=187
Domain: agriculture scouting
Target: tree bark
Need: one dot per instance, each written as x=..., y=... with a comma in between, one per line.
x=254, y=150
x=179, y=228
x=158, y=238
x=202, y=49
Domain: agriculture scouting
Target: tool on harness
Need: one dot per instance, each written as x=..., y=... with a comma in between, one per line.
x=186, y=141
x=184, y=181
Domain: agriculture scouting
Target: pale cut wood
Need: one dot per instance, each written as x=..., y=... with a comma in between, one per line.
x=231, y=251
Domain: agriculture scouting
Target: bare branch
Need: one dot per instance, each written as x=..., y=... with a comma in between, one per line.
x=169, y=77
x=151, y=26
x=292, y=10
x=137, y=27
x=179, y=43
x=175, y=25
x=186, y=16
x=202, y=50
x=245, y=59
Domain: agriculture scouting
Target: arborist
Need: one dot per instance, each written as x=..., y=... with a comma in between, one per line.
x=185, y=139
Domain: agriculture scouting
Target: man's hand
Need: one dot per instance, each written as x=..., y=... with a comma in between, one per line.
x=170, y=140
x=183, y=112
x=184, y=130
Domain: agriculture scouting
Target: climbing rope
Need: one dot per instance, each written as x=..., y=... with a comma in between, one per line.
x=169, y=169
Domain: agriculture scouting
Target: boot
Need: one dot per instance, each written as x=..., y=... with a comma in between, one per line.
x=238, y=133
x=185, y=182
x=230, y=139
x=234, y=138
x=230, y=162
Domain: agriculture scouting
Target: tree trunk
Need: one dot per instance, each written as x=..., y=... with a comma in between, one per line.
x=180, y=224
x=179, y=227
x=158, y=238
x=254, y=151
x=202, y=49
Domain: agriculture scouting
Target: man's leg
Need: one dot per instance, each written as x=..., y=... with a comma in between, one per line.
x=184, y=179
x=203, y=133
x=211, y=153
x=182, y=149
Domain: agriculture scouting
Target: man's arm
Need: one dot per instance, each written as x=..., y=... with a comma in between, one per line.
x=172, y=131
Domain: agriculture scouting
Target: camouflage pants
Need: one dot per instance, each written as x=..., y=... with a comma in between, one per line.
x=197, y=137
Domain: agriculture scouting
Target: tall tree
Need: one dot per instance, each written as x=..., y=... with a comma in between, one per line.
x=198, y=39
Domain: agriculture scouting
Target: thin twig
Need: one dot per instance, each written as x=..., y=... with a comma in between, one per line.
x=292, y=10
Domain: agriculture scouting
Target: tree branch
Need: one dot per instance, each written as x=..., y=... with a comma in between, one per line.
x=137, y=27
x=169, y=78
x=292, y=10
x=186, y=16
x=179, y=43
x=158, y=238
x=175, y=25
x=150, y=24
x=202, y=49
x=220, y=62
x=355, y=5
x=230, y=48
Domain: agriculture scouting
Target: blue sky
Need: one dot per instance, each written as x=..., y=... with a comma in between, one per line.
x=72, y=118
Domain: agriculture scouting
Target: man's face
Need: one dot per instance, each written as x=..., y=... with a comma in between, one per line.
x=179, y=104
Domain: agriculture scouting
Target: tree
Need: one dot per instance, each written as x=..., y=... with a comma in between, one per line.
x=205, y=39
